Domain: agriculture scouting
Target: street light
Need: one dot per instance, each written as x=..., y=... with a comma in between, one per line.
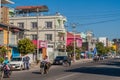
x=74, y=26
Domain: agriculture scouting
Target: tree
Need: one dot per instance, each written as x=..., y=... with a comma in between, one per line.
x=26, y=46
x=70, y=50
x=3, y=51
x=100, y=48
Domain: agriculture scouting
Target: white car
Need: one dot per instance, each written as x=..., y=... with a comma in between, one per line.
x=17, y=63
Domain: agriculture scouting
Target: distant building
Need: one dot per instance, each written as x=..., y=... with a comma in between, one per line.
x=70, y=39
x=104, y=40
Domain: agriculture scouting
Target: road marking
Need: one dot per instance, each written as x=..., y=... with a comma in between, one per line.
x=66, y=76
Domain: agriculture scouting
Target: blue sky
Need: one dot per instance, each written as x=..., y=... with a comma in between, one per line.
x=100, y=16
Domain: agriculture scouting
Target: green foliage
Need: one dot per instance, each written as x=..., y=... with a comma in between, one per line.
x=101, y=49
x=3, y=51
x=26, y=46
x=70, y=49
x=77, y=56
x=1, y=59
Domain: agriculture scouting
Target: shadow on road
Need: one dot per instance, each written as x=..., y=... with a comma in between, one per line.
x=36, y=72
x=112, y=63
x=97, y=70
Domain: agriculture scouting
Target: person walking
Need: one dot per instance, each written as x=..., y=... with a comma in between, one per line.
x=27, y=62
x=69, y=60
x=24, y=62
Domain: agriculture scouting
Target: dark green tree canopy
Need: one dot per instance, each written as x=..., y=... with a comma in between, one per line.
x=3, y=51
x=26, y=46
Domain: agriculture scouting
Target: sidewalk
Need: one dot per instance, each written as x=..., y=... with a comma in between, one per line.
x=82, y=61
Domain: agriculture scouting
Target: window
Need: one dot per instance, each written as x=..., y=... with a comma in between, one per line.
x=34, y=36
x=48, y=25
x=48, y=37
x=11, y=23
x=20, y=35
x=50, y=46
x=21, y=25
x=34, y=25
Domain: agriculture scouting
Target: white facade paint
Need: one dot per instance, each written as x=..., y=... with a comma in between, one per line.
x=57, y=26
x=104, y=40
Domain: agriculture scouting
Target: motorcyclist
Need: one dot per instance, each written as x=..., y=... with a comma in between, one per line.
x=6, y=67
x=46, y=63
x=6, y=61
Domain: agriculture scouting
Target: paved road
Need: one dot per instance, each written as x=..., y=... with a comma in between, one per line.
x=104, y=70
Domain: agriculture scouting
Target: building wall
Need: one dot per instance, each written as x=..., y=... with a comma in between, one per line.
x=1, y=37
x=71, y=40
x=104, y=40
x=5, y=37
x=4, y=14
x=56, y=27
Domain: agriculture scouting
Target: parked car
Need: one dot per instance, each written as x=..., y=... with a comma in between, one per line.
x=17, y=63
x=60, y=59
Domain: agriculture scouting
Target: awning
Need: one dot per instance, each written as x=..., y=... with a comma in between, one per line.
x=12, y=27
x=30, y=9
x=6, y=2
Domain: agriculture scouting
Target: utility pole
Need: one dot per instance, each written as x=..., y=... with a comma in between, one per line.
x=74, y=26
x=37, y=55
x=66, y=39
x=0, y=10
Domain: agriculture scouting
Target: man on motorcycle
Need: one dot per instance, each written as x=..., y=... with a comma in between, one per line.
x=6, y=67
x=46, y=64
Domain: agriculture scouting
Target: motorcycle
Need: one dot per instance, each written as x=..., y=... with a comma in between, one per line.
x=44, y=67
x=7, y=70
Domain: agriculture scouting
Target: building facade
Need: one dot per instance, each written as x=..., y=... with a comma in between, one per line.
x=42, y=28
x=104, y=40
x=8, y=33
x=70, y=39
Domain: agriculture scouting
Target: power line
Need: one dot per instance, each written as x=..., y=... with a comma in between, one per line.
x=92, y=23
x=112, y=20
x=97, y=16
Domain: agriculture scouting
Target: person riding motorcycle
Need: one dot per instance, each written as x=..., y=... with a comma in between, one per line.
x=45, y=63
x=6, y=67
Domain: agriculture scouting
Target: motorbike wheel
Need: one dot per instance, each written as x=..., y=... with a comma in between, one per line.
x=42, y=70
x=1, y=75
x=65, y=64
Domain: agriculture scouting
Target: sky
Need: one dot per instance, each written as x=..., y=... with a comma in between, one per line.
x=102, y=17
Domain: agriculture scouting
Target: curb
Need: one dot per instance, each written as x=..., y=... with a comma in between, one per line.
x=83, y=61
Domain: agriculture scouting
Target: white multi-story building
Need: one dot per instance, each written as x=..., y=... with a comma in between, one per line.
x=104, y=40
x=43, y=27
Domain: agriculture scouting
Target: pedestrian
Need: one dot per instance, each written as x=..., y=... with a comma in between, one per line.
x=24, y=62
x=69, y=60
x=27, y=62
